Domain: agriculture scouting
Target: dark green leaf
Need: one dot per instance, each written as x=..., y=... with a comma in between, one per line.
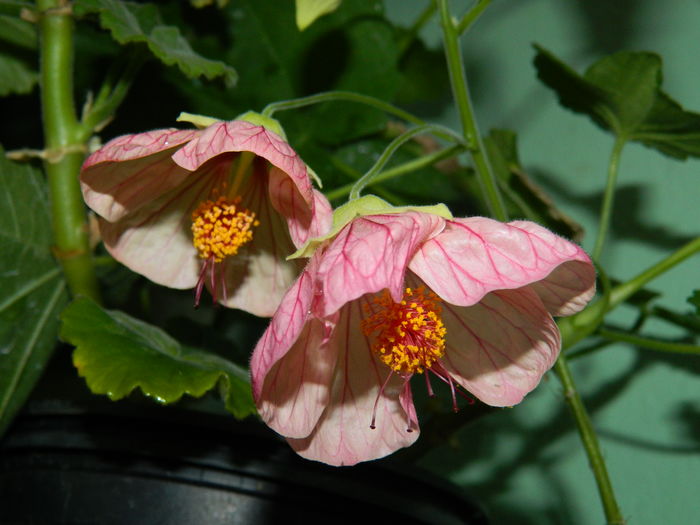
x=16, y=75
x=116, y=353
x=17, y=56
x=130, y=22
x=17, y=32
x=523, y=196
x=622, y=94
x=32, y=291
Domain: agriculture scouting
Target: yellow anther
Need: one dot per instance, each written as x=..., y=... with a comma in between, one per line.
x=221, y=227
x=420, y=331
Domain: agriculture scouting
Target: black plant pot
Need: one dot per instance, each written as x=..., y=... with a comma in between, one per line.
x=133, y=463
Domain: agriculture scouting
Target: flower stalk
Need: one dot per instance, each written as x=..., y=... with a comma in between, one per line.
x=608, y=197
x=455, y=66
x=64, y=150
x=589, y=439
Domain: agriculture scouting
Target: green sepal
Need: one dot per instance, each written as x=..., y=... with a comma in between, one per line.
x=365, y=205
x=264, y=121
x=198, y=121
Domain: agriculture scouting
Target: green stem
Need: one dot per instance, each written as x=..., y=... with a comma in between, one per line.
x=652, y=344
x=623, y=291
x=471, y=16
x=64, y=150
x=590, y=442
x=609, y=196
x=458, y=79
x=395, y=144
x=401, y=169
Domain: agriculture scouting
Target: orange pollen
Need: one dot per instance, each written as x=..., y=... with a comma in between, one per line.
x=220, y=228
x=410, y=334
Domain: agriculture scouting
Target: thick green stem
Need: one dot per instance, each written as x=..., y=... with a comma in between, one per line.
x=64, y=150
x=590, y=442
x=458, y=79
x=608, y=197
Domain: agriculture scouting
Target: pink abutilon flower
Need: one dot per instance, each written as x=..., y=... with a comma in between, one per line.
x=391, y=296
x=221, y=207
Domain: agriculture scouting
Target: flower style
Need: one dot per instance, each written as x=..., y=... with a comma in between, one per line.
x=469, y=301
x=221, y=206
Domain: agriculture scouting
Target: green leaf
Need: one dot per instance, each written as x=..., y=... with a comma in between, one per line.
x=17, y=32
x=307, y=11
x=130, y=22
x=18, y=57
x=32, y=291
x=16, y=75
x=116, y=353
x=695, y=301
x=622, y=94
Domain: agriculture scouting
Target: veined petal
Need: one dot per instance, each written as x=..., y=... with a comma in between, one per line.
x=296, y=388
x=132, y=170
x=343, y=435
x=290, y=369
x=239, y=135
x=304, y=221
x=371, y=253
x=499, y=348
x=256, y=279
x=155, y=240
x=571, y=285
x=475, y=256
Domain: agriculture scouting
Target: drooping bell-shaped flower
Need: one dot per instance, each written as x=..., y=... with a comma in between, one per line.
x=391, y=296
x=219, y=207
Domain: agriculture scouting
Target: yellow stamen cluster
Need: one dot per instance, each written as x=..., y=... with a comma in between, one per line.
x=411, y=336
x=220, y=228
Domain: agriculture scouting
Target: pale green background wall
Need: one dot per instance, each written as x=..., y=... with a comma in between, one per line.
x=526, y=463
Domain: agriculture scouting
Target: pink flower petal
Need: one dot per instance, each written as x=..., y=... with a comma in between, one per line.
x=155, y=240
x=475, y=256
x=131, y=171
x=290, y=369
x=371, y=253
x=500, y=348
x=343, y=435
x=240, y=135
x=257, y=277
x=571, y=285
x=296, y=388
x=304, y=221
